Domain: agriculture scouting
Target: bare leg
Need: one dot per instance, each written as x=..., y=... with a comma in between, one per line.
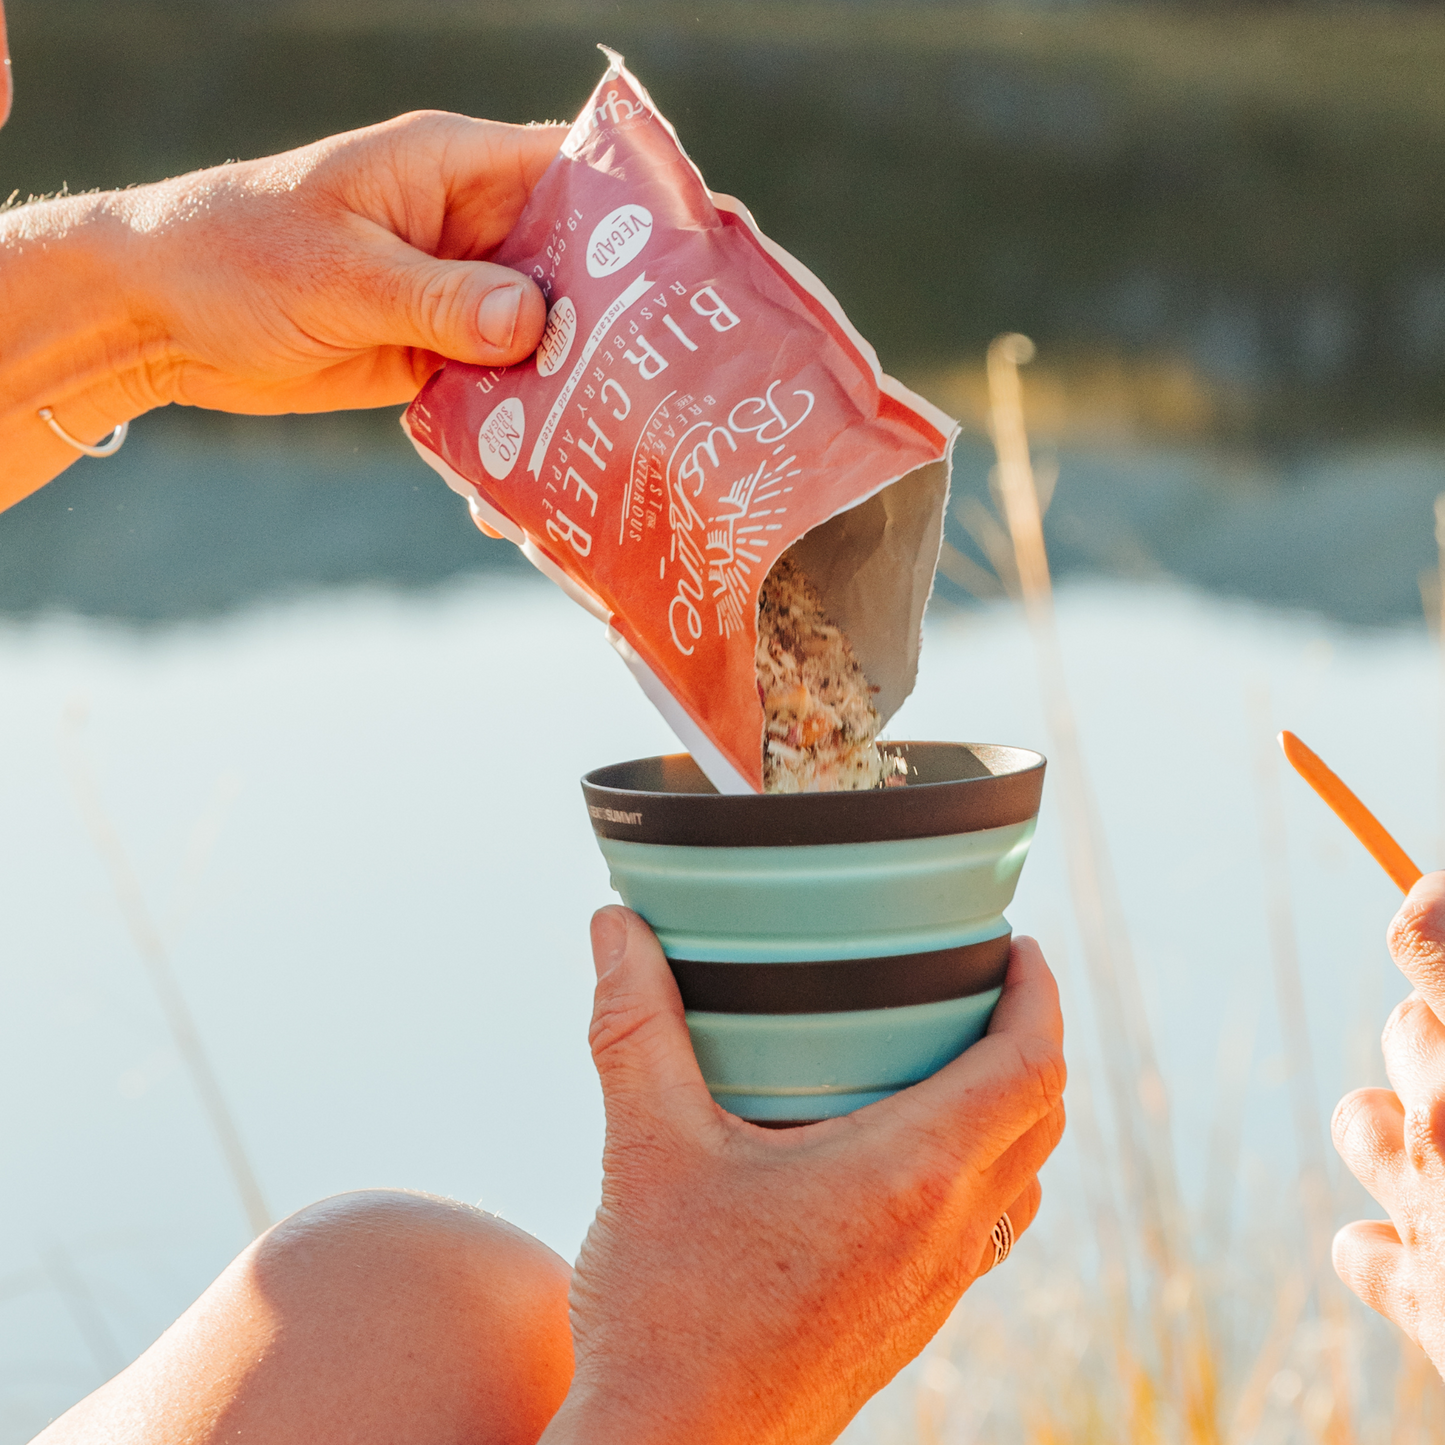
x=377, y=1316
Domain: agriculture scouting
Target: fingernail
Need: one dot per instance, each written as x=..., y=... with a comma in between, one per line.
x=609, y=937
x=497, y=315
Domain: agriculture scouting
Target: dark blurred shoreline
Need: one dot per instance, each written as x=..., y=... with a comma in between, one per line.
x=1252, y=191
x=1224, y=228
x=198, y=517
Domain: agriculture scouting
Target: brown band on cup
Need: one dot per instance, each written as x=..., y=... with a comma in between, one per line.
x=842, y=985
x=948, y=788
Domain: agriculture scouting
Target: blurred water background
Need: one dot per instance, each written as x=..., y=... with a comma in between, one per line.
x=337, y=733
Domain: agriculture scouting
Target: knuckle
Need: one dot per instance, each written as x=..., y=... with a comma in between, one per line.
x=1342, y=1255
x=414, y=122
x=1346, y=1111
x=1041, y=1141
x=1402, y=1300
x=1352, y=1257
x=441, y=302
x=1419, y=1131
x=616, y=1017
x=1023, y=1108
x=1351, y=1127
x=1043, y=1071
x=1058, y=1122
x=1404, y=1021
x=1411, y=1229
x=158, y=379
x=923, y=1194
x=932, y=1181
x=1416, y=938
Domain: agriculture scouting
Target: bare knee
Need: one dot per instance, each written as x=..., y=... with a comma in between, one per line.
x=373, y=1316
x=431, y=1306
x=393, y=1247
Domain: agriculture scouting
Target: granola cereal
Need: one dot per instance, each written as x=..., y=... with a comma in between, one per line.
x=821, y=727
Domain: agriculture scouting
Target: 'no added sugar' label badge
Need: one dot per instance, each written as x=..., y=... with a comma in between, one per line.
x=617, y=239
x=500, y=439
x=558, y=337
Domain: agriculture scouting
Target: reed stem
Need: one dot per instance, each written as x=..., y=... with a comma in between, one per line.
x=1139, y=1098
x=179, y=1019
x=1316, y=1195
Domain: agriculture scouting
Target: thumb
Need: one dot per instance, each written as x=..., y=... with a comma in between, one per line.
x=470, y=311
x=639, y=1039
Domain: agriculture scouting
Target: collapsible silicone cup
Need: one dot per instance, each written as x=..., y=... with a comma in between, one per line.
x=830, y=948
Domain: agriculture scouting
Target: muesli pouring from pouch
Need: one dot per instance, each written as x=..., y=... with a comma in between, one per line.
x=699, y=407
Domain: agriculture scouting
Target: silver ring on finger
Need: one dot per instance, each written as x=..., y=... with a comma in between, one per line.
x=1003, y=1239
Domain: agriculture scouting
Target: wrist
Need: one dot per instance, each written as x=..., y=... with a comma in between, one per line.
x=654, y=1407
x=620, y=1417
x=81, y=335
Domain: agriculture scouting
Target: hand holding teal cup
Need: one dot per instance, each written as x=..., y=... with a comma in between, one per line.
x=830, y=948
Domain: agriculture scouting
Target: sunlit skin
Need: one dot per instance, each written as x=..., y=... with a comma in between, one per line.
x=1394, y=1140
x=335, y=276
x=738, y=1284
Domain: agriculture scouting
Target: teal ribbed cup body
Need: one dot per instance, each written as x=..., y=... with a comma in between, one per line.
x=831, y=900
x=820, y=976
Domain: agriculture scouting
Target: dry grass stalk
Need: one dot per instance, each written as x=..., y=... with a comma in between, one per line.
x=1316, y=1194
x=154, y=955
x=1184, y=1336
x=1099, y=398
x=1418, y=1396
x=963, y=571
x=992, y=539
x=85, y=1313
x=1177, y=1326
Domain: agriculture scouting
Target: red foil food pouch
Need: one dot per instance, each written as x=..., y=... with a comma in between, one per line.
x=699, y=403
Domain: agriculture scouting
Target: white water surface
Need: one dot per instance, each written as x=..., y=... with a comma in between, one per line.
x=357, y=822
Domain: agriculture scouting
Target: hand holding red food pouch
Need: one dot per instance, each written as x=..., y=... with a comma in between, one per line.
x=699, y=405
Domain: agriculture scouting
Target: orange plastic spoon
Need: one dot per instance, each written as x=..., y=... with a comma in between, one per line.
x=1351, y=812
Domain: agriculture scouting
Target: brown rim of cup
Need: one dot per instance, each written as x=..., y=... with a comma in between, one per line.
x=843, y=985
x=949, y=788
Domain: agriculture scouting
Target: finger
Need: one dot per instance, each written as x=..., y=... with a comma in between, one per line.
x=490, y=172
x=487, y=171
x=639, y=1038
x=1010, y=1185
x=1417, y=939
x=986, y=1099
x=1370, y=1259
x=994, y=1092
x=472, y=311
x=1012, y=1177
x=1021, y=1213
x=1413, y=1043
x=1028, y=1154
x=1368, y=1128
x=1030, y=999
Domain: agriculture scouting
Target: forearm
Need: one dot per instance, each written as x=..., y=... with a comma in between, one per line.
x=77, y=333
